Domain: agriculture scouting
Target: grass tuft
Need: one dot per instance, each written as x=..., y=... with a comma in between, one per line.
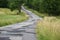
x=48, y=29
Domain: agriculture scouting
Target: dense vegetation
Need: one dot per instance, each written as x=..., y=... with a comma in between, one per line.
x=3, y=3
x=51, y=7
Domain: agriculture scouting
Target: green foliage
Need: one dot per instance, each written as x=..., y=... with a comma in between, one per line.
x=52, y=7
x=15, y=4
x=12, y=4
x=3, y=3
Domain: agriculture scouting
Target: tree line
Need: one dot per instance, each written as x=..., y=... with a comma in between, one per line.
x=11, y=4
x=51, y=7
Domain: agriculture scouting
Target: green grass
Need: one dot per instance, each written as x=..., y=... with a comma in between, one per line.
x=8, y=17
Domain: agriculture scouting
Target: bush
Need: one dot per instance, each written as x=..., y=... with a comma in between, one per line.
x=52, y=7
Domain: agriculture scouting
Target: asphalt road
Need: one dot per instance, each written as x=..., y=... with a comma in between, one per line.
x=21, y=31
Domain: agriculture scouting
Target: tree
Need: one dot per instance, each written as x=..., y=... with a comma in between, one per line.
x=3, y=3
x=52, y=7
x=15, y=4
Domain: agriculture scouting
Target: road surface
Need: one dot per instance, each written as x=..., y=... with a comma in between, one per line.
x=21, y=31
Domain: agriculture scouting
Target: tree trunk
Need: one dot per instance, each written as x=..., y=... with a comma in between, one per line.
x=19, y=9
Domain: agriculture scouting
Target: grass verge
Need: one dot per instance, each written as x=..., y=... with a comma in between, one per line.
x=48, y=28
x=8, y=17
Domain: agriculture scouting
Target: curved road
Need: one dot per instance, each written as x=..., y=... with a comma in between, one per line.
x=21, y=31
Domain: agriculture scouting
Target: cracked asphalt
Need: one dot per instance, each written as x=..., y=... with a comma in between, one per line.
x=21, y=31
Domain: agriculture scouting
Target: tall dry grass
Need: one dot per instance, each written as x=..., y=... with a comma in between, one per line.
x=48, y=29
